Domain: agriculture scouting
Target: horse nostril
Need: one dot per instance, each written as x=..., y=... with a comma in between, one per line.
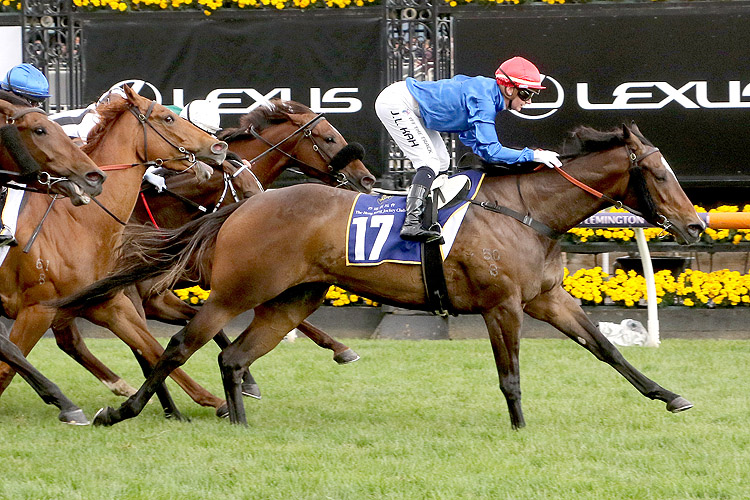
x=220, y=147
x=695, y=229
x=95, y=178
x=368, y=182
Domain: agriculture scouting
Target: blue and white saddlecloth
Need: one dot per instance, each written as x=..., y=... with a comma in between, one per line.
x=372, y=236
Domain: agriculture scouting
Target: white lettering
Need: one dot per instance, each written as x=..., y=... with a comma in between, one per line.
x=330, y=97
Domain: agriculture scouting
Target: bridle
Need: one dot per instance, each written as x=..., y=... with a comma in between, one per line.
x=334, y=176
x=635, y=169
x=20, y=154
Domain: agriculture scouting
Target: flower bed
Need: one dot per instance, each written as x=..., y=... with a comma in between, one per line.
x=337, y=297
x=626, y=235
x=691, y=288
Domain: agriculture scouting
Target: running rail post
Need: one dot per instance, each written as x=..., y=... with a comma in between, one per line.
x=648, y=274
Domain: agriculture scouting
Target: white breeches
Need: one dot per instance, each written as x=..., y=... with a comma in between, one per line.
x=399, y=112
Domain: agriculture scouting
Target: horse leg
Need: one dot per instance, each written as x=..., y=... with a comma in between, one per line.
x=250, y=388
x=119, y=316
x=29, y=327
x=504, y=326
x=342, y=354
x=559, y=309
x=168, y=308
x=167, y=403
x=271, y=323
x=47, y=390
x=202, y=328
x=69, y=339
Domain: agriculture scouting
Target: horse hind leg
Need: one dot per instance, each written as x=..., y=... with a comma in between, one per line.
x=559, y=309
x=250, y=387
x=342, y=354
x=70, y=341
x=181, y=346
x=271, y=323
x=162, y=393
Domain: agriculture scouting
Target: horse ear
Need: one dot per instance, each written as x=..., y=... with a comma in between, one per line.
x=6, y=108
x=630, y=138
x=130, y=93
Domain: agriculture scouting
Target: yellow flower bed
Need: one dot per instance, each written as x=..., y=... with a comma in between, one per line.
x=625, y=235
x=334, y=297
x=723, y=288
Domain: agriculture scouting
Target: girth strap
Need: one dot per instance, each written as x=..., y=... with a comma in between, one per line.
x=525, y=219
x=433, y=274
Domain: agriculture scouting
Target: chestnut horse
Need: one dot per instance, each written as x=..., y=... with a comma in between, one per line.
x=274, y=137
x=36, y=151
x=498, y=267
x=76, y=247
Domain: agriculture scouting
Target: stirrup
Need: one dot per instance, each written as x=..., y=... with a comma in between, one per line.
x=7, y=240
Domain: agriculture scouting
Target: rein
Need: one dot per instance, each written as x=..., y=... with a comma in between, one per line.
x=336, y=179
x=545, y=230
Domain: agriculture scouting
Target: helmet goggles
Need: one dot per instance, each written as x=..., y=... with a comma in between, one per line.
x=524, y=94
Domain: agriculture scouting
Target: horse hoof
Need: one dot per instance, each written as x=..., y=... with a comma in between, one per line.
x=222, y=411
x=176, y=415
x=251, y=390
x=679, y=404
x=102, y=417
x=74, y=417
x=345, y=357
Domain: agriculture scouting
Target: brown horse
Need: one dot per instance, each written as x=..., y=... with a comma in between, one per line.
x=274, y=137
x=76, y=246
x=36, y=151
x=31, y=142
x=497, y=266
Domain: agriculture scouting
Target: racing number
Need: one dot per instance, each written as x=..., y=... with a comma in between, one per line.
x=384, y=223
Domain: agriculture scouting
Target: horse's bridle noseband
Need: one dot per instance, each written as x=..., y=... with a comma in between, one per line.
x=334, y=177
x=635, y=166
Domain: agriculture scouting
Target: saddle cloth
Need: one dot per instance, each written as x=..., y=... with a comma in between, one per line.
x=10, y=215
x=372, y=235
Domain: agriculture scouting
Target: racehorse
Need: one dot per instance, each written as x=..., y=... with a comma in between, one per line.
x=273, y=137
x=499, y=266
x=36, y=152
x=31, y=142
x=76, y=247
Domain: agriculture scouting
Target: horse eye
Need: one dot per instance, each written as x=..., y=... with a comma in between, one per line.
x=330, y=139
x=40, y=131
x=169, y=119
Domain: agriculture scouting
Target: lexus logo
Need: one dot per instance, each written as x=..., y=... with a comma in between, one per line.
x=552, y=97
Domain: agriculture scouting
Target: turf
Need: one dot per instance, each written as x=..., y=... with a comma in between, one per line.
x=410, y=420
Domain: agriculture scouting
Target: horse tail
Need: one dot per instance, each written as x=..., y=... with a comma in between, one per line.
x=171, y=255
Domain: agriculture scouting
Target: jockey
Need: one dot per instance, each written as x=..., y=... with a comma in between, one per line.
x=23, y=85
x=26, y=82
x=201, y=113
x=414, y=113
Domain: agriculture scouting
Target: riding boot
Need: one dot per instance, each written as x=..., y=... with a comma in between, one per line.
x=415, y=203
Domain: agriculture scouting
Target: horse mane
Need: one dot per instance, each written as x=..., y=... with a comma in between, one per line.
x=273, y=112
x=108, y=112
x=584, y=140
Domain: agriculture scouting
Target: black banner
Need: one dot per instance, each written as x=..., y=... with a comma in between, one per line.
x=329, y=61
x=680, y=71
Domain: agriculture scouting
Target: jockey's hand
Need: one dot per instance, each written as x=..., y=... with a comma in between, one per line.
x=155, y=179
x=549, y=158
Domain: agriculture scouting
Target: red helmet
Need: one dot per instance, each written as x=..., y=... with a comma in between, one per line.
x=519, y=72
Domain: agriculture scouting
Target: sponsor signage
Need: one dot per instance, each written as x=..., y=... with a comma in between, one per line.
x=325, y=62
x=611, y=64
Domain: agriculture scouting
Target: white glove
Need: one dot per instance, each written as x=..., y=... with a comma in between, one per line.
x=155, y=179
x=549, y=158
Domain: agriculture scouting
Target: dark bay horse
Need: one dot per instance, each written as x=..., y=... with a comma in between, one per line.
x=497, y=267
x=273, y=138
x=75, y=247
x=36, y=152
